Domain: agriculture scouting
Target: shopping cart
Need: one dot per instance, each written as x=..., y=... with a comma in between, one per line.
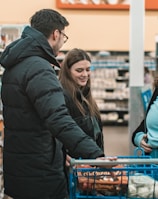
x=131, y=177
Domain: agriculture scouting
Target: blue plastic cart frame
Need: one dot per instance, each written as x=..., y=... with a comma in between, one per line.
x=133, y=164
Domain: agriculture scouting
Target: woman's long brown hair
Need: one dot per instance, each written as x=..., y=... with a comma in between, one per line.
x=72, y=57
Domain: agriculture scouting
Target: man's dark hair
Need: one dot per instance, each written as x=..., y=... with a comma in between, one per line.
x=47, y=21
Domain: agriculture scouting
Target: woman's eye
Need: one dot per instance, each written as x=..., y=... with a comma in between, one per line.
x=79, y=70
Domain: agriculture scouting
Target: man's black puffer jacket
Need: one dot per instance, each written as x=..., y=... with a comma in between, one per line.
x=37, y=122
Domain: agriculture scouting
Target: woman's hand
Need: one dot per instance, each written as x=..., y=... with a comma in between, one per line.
x=68, y=158
x=110, y=158
x=147, y=148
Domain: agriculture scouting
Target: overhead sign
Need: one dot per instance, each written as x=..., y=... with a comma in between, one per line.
x=103, y=4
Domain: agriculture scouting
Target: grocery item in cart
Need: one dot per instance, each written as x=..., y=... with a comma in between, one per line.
x=103, y=181
x=142, y=186
x=134, y=177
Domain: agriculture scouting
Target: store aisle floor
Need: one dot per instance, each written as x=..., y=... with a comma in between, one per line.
x=116, y=140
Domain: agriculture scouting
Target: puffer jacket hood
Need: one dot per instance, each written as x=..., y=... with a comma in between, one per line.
x=31, y=43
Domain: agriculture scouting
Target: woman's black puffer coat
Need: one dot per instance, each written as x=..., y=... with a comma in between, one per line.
x=37, y=122
x=85, y=122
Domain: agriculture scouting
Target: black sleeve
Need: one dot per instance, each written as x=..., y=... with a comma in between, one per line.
x=100, y=139
x=140, y=128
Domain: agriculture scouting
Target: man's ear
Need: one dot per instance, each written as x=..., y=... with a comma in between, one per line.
x=55, y=35
x=53, y=38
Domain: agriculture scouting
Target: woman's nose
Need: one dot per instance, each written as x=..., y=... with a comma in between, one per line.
x=85, y=73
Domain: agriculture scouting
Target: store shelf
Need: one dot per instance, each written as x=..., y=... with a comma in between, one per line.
x=115, y=123
x=110, y=86
x=110, y=89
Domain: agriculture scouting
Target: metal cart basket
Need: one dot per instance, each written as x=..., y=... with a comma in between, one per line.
x=130, y=177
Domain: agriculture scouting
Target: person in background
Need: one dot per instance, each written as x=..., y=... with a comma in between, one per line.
x=36, y=120
x=145, y=135
x=148, y=79
x=75, y=79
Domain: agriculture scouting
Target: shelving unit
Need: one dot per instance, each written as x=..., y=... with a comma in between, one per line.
x=110, y=86
x=111, y=91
